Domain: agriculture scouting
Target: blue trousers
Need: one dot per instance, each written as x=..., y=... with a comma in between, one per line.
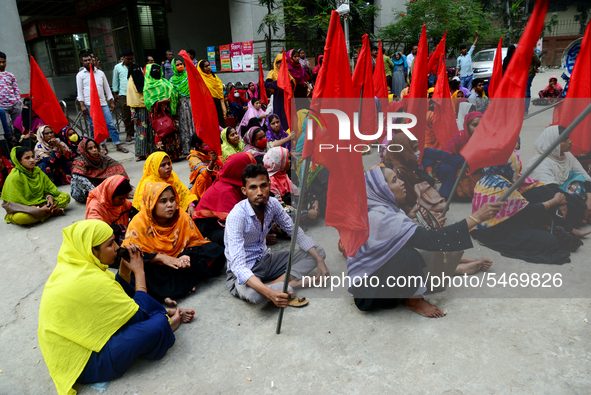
x=430, y=155
x=4, y=121
x=447, y=172
x=466, y=82
x=146, y=335
x=110, y=125
x=528, y=93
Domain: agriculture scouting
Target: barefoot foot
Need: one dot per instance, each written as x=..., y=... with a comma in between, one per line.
x=187, y=315
x=485, y=264
x=467, y=268
x=580, y=233
x=170, y=302
x=175, y=320
x=424, y=308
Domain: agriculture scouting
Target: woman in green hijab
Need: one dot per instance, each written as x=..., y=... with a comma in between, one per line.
x=158, y=89
x=29, y=195
x=180, y=84
x=231, y=142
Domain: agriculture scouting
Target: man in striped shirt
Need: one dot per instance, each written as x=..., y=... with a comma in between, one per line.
x=254, y=273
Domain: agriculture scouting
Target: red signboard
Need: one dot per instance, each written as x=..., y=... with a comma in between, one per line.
x=53, y=27
x=30, y=31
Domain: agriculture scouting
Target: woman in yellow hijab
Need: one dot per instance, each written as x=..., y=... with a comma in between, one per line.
x=92, y=323
x=176, y=255
x=216, y=88
x=158, y=168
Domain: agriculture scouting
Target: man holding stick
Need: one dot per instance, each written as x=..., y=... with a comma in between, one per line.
x=254, y=273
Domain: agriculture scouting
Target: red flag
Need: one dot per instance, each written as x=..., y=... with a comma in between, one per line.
x=417, y=97
x=494, y=140
x=96, y=112
x=444, y=116
x=497, y=74
x=346, y=198
x=284, y=82
x=262, y=90
x=380, y=85
x=205, y=116
x=435, y=57
x=578, y=97
x=45, y=104
x=363, y=79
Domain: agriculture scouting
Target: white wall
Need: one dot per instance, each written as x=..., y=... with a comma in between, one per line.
x=13, y=44
x=389, y=8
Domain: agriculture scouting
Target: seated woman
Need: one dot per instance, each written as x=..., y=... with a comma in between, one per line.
x=204, y=165
x=238, y=102
x=91, y=168
x=71, y=138
x=217, y=202
x=562, y=172
x=254, y=116
x=275, y=133
x=110, y=324
x=5, y=169
x=53, y=156
x=514, y=231
x=451, y=160
x=176, y=255
x=277, y=162
x=255, y=142
x=390, y=249
x=553, y=90
x=252, y=92
x=108, y=203
x=158, y=168
x=231, y=142
x=28, y=193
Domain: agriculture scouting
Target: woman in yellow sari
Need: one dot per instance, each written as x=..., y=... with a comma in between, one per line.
x=92, y=323
x=216, y=88
x=158, y=168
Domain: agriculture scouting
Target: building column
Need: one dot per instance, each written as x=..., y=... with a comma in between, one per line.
x=13, y=45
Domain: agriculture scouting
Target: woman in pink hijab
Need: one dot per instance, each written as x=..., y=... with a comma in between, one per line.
x=296, y=70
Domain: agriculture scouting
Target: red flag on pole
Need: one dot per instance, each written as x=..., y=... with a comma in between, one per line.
x=262, y=90
x=494, y=140
x=380, y=85
x=346, y=197
x=444, y=116
x=497, y=73
x=363, y=78
x=435, y=57
x=284, y=82
x=205, y=116
x=417, y=97
x=577, y=98
x=96, y=112
x=45, y=103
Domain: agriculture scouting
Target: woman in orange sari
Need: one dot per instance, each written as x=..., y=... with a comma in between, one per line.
x=176, y=256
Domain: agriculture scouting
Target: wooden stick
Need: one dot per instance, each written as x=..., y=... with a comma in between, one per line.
x=453, y=191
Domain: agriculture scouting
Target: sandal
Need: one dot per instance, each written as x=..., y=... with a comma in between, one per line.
x=297, y=302
x=104, y=150
x=123, y=149
x=140, y=158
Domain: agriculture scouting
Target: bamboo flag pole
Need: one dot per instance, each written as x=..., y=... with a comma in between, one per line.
x=563, y=136
x=294, y=233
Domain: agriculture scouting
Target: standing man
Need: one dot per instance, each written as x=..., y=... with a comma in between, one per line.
x=167, y=65
x=464, y=66
x=254, y=273
x=374, y=55
x=10, y=96
x=104, y=92
x=410, y=58
x=192, y=55
x=120, y=76
x=388, y=65
x=533, y=69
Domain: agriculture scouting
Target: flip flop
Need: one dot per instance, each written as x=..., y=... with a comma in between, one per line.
x=298, y=302
x=123, y=149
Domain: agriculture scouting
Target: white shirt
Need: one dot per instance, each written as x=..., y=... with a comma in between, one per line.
x=83, y=86
x=409, y=58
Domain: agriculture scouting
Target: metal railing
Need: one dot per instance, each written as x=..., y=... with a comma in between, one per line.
x=567, y=27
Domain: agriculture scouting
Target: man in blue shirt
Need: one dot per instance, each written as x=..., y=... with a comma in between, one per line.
x=120, y=77
x=167, y=65
x=254, y=273
x=464, y=66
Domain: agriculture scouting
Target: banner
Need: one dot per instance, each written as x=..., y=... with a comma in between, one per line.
x=247, y=56
x=225, y=58
x=236, y=53
x=211, y=58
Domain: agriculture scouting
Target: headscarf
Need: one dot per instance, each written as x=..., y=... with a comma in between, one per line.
x=172, y=239
x=227, y=148
x=238, y=100
x=251, y=113
x=156, y=90
x=213, y=82
x=180, y=81
x=557, y=87
x=276, y=162
x=96, y=305
x=455, y=100
x=200, y=159
x=42, y=148
x=63, y=135
x=494, y=183
x=151, y=175
x=249, y=142
x=466, y=91
x=404, y=163
x=136, y=73
x=35, y=122
x=399, y=62
x=389, y=227
x=102, y=167
x=555, y=168
x=256, y=90
x=25, y=187
x=226, y=190
x=274, y=74
x=318, y=64
x=510, y=52
x=100, y=203
x=461, y=137
x=295, y=69
x=271, y=136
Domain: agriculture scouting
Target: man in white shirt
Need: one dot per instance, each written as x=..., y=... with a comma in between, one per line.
x=105, y=95
x=120, y=76
x=410, y=58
